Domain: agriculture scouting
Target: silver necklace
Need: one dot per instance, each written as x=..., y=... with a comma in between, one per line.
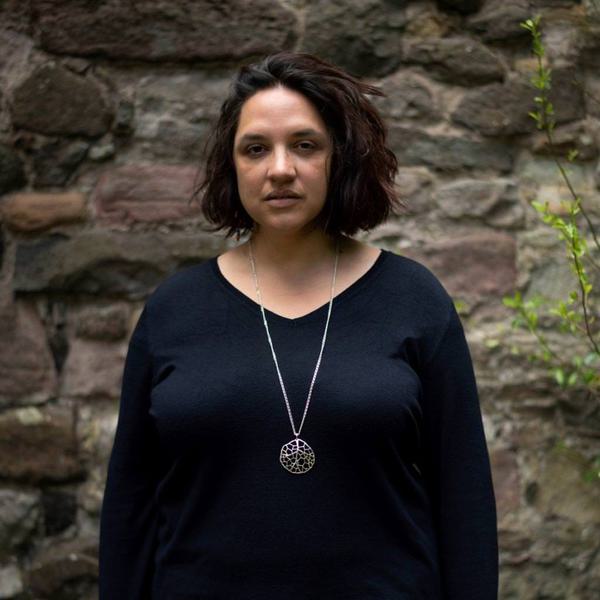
x=295, y=456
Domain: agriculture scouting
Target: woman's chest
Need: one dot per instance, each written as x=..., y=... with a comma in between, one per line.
x=226, y=388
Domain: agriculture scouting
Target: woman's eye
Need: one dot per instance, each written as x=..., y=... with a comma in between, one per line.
x=250, y=148
x=256, y=149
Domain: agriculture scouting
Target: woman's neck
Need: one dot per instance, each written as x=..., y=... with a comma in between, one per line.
x=294, y=258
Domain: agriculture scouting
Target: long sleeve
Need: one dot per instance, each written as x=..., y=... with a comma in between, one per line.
x=457, y=469
x=128, y=521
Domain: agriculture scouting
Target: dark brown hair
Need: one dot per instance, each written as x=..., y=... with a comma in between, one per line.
x=361, y=192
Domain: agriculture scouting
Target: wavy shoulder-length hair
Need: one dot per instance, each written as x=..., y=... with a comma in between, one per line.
x=361, y=192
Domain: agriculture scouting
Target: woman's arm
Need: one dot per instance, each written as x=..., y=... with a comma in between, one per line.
x=457, y=469
x=128, y=522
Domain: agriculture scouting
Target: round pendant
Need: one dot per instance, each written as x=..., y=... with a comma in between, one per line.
x=297, y=456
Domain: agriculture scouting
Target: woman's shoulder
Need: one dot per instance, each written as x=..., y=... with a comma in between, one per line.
x=184, y=305
x=413, y=294
x=410, y=278
x=189, y=282
x=184, y=276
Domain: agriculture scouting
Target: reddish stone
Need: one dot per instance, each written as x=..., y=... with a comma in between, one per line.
x=38, y=445
x=474, y=265
x=27, y=373
x=93, y=368
x=97, y=322
x=151, y=193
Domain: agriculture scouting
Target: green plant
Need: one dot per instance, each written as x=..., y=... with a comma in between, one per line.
x=575, y=313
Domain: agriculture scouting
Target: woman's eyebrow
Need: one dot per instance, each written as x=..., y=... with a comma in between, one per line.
x=251, y=136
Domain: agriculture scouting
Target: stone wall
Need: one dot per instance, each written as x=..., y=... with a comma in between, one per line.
x=104, y=107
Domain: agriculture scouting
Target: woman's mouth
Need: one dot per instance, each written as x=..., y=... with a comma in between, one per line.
x=283, y=201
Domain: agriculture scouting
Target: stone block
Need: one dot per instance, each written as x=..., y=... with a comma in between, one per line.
x=495, y=202
x=460, y=60
x=166, y=31
x=102, y=322
x=27, y=371
x=415, y=147
x=107, y=263
x=38, y=445
x=55, y=101
x=145, y=193
x=500, y=21
x=36, y=211
x=362, y=36
x=93, y=369
x=407, y=96
x=475, y=265
x=503, y=108
x=506, y=478
x=55, y=162
x=64, y=569
x=19, y=518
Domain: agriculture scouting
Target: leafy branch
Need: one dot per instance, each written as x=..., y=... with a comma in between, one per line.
x=580, y=369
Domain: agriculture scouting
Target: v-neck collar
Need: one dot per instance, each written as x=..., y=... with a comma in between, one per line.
x=338, y=299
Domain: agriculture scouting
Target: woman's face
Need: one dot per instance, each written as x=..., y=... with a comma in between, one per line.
x=282, y=143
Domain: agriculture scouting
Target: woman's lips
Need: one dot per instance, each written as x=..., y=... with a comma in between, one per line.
x=283, y=201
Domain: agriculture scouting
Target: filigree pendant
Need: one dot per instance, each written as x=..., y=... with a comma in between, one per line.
x=297, y=456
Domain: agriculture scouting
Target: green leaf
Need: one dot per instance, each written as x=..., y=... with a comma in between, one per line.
x=559, y=375
x=539, y=206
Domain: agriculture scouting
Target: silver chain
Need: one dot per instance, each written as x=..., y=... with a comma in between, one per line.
x=296, y=433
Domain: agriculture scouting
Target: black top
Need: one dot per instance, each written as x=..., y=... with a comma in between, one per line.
x=399, y=504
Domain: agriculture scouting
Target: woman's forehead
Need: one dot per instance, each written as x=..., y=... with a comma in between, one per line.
x=280, y=106
x=263, y=129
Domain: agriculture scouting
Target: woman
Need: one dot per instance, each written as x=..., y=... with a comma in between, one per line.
x=222, y=484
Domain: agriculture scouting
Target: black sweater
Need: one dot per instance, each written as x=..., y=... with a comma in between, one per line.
x=399, y=504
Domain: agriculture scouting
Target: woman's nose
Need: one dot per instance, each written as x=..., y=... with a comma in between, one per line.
x=281, y=163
